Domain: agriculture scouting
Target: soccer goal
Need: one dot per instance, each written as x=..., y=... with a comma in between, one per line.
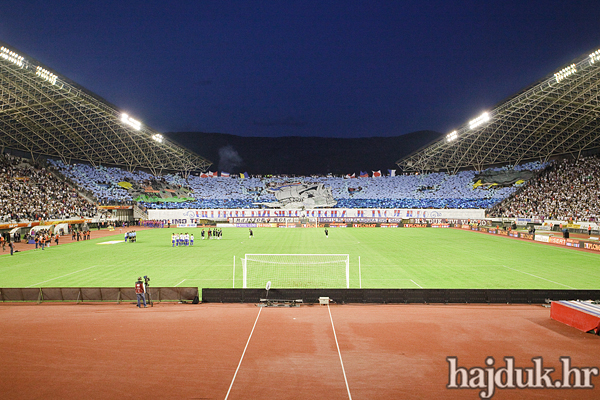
x=296, y=270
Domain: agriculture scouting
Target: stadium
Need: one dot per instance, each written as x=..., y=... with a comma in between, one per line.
x=484, y=228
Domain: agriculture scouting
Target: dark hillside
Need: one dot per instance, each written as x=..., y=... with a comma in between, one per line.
x=301, y=155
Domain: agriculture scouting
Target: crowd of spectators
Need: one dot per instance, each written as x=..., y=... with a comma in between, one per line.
x=568, y=190
x=29, y=192
x=435, y=190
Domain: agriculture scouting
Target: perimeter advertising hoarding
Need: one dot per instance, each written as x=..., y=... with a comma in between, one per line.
x=556, y=240
x=592, y=246
x=573, y=243
x=542, y=238
x=336, y=214
x=335, y=225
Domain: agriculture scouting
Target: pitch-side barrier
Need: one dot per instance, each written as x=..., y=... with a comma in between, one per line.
x=106, y=294
x=384, y=296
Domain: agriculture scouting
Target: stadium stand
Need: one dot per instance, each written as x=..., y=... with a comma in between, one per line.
x=435, y=190
x=567, y=190
x=30, y=193
x=534, y=124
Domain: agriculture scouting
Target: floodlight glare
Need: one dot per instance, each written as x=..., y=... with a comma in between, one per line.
x=474, y=123
x=137, y=125
x=565, y=72
x=11, y=56
x=452, y=136
x=595, y=56
x=158, y=137
x=46, y=75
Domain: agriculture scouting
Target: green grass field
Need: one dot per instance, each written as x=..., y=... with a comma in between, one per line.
x=390, y=258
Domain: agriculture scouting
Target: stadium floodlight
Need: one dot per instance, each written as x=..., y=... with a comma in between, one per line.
x=595, y=56
x=137, y=125
x=46, y=75
x=11, y=56
x=452, y=136
x=483, y=118
x=158, y=137
x=565, y=72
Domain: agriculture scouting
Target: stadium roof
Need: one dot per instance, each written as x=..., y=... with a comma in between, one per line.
x=43, y=113
x=558, y=115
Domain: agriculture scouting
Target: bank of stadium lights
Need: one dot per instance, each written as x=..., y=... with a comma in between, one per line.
x=137, y=125
x=46, y=75
x=158, y=137
x=595, y=56
x=452, y=136
x=565, y=72
x=11, y=56
x=483, y=118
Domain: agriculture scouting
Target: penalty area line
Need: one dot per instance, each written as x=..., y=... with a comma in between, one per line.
x=62, y=276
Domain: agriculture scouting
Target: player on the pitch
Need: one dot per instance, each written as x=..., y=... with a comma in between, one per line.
x=251, y=233
x=202, y=234
x=192, y=239
x=173, y=239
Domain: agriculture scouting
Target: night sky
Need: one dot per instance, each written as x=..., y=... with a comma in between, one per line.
x=342, y=69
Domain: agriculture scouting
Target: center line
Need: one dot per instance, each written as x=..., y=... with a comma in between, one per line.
x=339, y=353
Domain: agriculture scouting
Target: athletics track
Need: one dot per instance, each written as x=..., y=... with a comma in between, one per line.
x=240, y=351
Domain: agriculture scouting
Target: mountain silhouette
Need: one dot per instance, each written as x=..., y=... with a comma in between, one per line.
x=297, y=155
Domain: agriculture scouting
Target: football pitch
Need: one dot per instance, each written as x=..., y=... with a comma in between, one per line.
x=389, y=258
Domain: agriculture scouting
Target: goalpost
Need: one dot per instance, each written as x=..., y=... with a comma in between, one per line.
x=296, y=270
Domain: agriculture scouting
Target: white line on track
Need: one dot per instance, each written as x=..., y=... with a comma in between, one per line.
x=339, y=353
x=539, y=277
x=420, y=287
x=244, y=352
x=62, y=276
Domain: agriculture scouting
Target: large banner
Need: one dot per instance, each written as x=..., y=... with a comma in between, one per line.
x=184, y=216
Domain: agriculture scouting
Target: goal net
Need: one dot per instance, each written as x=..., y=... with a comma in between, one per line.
x=296, y=270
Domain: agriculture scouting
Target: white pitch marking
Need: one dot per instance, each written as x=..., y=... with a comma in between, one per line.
x=62, y=276
x=420, y=287
x=180, y=283
x=539, y=277
x=339, y=353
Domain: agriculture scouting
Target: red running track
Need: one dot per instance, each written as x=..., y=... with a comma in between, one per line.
x=184, y=351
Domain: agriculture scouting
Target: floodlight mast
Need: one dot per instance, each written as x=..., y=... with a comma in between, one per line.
x=62, y=120
x=553, y=117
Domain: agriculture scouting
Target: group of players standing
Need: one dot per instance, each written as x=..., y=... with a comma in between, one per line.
x=212, y=233
x=185, y=239
x=182, y=239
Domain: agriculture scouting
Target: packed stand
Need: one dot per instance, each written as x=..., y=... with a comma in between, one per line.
x=435, y=190
x=568, y=190
x=30, y=193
